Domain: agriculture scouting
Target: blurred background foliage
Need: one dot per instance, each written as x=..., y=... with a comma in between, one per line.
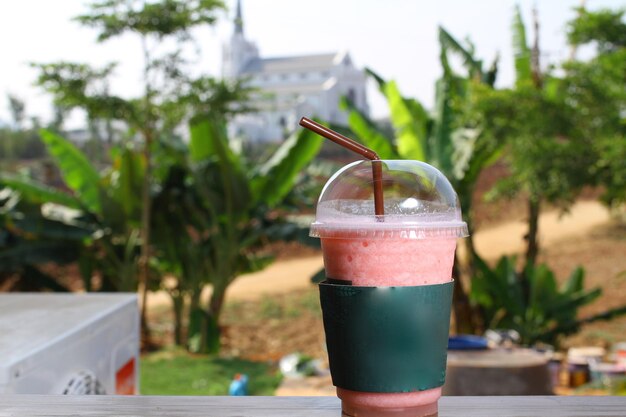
x=161, y=198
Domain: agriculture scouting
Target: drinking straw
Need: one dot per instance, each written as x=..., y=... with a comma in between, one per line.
x=354, y=146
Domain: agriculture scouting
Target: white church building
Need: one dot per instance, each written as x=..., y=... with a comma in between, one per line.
x=289, y=87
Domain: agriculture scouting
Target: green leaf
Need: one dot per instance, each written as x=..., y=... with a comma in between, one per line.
x=319, y=276
x=50, y=229
x=208, y=143
x=202, y=141
x=572, y=326
x=277, y=176
x=514, y=293
x=441, y=147
x=127, y=192
x=38, y=193
x=575, y=282
x=448, y=42
x=379, y=80
x=367, y=132
x=421, y=118
x=498, y=287
x=79, y=175
x=464, y=149
x=520, y=49
x=209, y=139
x=606, y=315
x=408, y=118
x=410, y=131
x=578, y=300
x=552, y=88
x=543, y=289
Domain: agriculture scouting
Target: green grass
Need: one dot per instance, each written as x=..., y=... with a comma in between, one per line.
x=175, y=372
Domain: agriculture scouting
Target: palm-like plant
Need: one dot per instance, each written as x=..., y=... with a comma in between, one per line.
x=534, y=304
x=34, y=234
x=102, y=206
x=440, y=138
x=214, y=214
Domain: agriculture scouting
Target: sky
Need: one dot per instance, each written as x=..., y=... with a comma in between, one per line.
x=395, y=38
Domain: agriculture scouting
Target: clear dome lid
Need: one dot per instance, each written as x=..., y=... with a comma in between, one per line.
x=419, y=203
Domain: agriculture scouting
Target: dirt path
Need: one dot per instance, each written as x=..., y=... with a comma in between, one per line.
x=508, y=238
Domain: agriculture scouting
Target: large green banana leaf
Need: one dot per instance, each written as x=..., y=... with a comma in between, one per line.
x=277, y=176
x=48, y=229
x=521, y=51
x=440, y=142
x=448, y=42
x=129, y=182
x=410, y=130
x=37, y=192
x=367, y=132
x=79, y=175
x=410, y=137
x=208, y=139
x=209, y=142
x=575, y=282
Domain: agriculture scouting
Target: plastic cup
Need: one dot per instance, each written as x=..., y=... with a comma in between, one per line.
x=412, y=245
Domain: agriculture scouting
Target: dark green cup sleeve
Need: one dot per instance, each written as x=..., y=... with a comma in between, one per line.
x=387, y=339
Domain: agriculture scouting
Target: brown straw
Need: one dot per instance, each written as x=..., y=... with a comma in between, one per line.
x=352, y=145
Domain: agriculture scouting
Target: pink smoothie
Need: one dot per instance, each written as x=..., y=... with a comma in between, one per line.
x=388, y=262
x=411, y=244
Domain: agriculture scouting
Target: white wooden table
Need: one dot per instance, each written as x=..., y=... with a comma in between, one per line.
x=44, y=405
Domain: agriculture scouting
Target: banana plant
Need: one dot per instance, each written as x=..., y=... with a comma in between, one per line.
x=532, y=303
x=35, y=233
x=101, y=210
x=215, y=213
x=441, y=137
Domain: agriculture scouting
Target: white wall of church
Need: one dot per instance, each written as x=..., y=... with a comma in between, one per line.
x=292, y=87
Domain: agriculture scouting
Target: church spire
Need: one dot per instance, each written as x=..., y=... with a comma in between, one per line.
x=239, y=19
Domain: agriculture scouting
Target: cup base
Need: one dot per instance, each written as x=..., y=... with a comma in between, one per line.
x=352, y=410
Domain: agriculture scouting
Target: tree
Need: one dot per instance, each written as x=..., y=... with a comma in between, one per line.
x=596, y=87
x=30, y=238
x=94, y=224
x=217, y=210
x=79, y=86
x=442, y=138
x=562, y=133
x=213, y=213
x=152, y=23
